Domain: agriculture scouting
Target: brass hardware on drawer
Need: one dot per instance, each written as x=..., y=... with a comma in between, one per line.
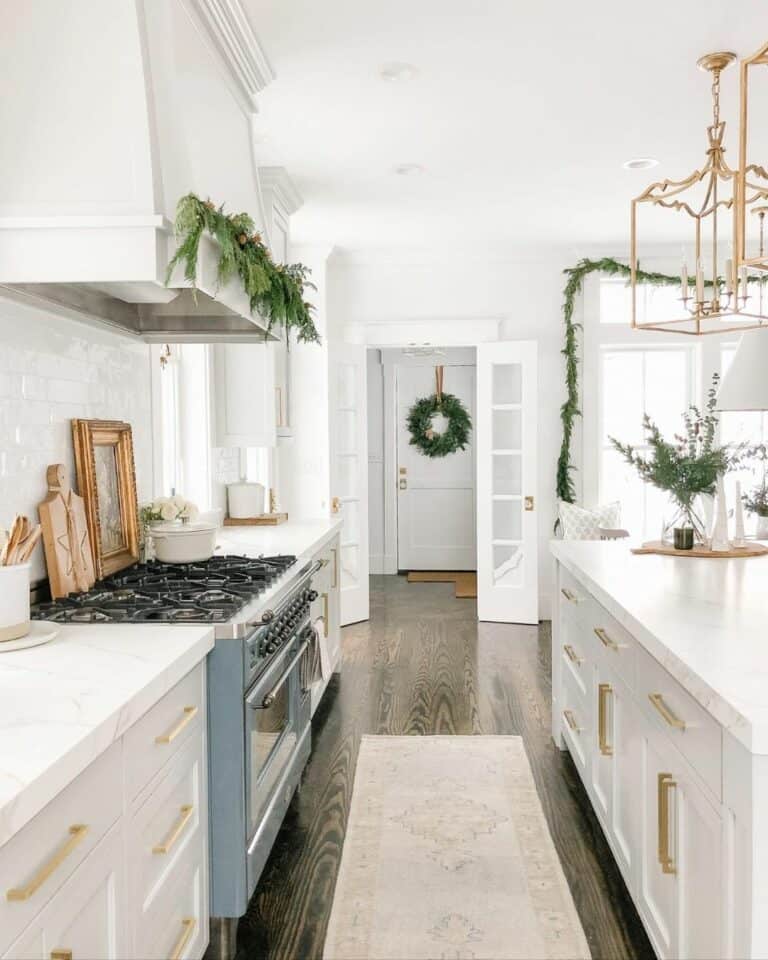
x=603, y=690
x=607, y=641
x=188, y=928
x=658, y=701
x=325, y=613
x=61, y=954
x=189, y=715
x=571, y=721
x=77, y=834
x=568, y=595
x=572, y=655
x=170, y=841
x=335, y=581
x=665, y=784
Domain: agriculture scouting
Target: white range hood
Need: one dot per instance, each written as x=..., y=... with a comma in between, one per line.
x=102, y=135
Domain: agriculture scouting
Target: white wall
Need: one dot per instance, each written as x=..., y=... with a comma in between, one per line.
x=51, y=371
x=525, y=294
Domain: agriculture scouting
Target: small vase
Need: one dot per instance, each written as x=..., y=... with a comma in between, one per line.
x=739, y=538
x=719, y=535
x=761, y=532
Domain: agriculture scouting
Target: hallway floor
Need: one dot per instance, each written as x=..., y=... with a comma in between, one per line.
x=423, y=665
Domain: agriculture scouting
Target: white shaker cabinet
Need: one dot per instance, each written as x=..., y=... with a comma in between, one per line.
x=326, y=608
x=243, y=395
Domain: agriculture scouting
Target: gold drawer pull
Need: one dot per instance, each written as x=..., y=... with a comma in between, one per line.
x=572, y=655
x=568, y=595
x=77, y=834
x=60, y=954
x=603, y=690
x=571, y=721
x=188, y=924
x=170, y=841
x=607, y=641
x=325, y=615
x=658, y=701
x=189, y=715
x=665, y=784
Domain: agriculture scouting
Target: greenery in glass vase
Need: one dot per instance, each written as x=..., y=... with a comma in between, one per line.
x=756, y=501
x=689, y=465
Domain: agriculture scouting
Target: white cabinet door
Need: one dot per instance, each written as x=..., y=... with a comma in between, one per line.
x=349, y=473
x=85, y=919
x=505, y=455
x=244, y=402
x=681, y=882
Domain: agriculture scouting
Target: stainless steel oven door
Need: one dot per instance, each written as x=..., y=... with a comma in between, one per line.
x=272, y=730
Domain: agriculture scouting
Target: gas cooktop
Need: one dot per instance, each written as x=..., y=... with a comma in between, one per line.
x=208, y=592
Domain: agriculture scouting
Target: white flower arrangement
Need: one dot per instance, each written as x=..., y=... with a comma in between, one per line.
x=169, y=509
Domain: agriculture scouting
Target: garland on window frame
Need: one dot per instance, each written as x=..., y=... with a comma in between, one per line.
x=274, y=290
x=570, y=409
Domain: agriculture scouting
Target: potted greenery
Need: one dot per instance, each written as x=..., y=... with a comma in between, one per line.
x=687, y=467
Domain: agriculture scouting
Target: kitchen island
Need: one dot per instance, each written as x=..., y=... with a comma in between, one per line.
x=659, y=670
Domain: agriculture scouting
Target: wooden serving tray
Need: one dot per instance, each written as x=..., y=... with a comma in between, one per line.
x=656, y=546
x=265, y=520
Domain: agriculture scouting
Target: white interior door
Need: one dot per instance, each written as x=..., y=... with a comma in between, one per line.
x=436, y=495
x=506, y=440
x=349, y=473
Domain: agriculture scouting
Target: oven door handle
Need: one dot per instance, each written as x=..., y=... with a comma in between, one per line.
x=269, y=698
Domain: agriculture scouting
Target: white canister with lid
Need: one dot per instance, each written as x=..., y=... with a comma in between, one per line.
x=14, y=601
x=245, y=500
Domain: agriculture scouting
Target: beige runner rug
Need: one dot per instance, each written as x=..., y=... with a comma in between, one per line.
x=447, y=855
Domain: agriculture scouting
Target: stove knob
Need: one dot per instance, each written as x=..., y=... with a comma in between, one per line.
x=271, y=647
x=267, y=616
x=312, y=595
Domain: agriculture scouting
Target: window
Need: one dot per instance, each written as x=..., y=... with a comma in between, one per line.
x=634, y=381
x=654, y=304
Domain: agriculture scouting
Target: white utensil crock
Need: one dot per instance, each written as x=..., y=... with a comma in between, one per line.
x=245, y=500
x=14, y=601
x=183, y=542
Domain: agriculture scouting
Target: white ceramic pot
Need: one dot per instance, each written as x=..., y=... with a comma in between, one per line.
x=183, y=542
x=14, y=601
x=245, y=500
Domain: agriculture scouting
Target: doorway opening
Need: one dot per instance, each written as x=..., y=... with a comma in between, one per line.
x=422, y=510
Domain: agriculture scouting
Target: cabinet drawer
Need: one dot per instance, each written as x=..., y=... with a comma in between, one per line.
x=166, y=825
x=577, y=654
x=576, y=723
x=617, y=647
x=159, y=734
x=39, y=858
x=687, y=725
x=176, y=924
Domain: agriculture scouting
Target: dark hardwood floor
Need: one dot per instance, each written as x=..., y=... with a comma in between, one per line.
x=424, y=665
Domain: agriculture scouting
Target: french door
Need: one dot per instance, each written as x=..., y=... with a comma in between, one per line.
x=349, y=473
x=506, y=437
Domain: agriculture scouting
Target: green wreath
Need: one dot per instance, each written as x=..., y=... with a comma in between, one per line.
x=456, y=434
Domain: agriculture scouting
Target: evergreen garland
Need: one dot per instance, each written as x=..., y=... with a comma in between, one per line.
x=456, y=434
x=275, y=290
x=570, y=409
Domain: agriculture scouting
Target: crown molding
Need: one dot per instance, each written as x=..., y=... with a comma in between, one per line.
x=276, y=182
x=231, y=33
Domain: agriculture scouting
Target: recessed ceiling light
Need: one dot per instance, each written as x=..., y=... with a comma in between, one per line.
x=396, y=71
x=408, y=169
x=640, y=163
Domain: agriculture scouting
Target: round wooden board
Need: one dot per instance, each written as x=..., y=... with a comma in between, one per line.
x=656, y=546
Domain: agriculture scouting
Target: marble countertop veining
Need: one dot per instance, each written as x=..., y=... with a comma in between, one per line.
x=299, y=537
x=704, y=620
x=62, y=704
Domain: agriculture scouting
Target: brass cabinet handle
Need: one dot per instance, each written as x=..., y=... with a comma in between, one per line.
x=170, y=841
x=188, y=925
x=77, y=834
x=665, y=784
x=607, y=641
x=60, y=954
x=603, y=691
x=571, y=721
x=569, y=595
x=280, y=421
x=325, y=614
x=658, y=701
x=572, y=655
x=189, y=715
x=335, y=581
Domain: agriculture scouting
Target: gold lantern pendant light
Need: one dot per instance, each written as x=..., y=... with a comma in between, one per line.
x=714, y=295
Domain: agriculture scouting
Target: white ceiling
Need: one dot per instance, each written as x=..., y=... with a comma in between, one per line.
x=521, y=114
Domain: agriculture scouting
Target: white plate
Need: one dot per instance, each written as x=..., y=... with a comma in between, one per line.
x=40, y=631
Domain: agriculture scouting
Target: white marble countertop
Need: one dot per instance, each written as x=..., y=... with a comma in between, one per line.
x=299, y=537
x=705, y=621
x=62, y=704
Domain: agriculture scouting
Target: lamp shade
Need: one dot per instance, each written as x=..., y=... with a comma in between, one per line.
x=745, y=385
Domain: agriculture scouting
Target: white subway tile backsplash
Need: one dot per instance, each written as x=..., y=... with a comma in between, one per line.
x=52, y=370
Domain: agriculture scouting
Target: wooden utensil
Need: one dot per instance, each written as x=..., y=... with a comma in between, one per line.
x=65, y=536
x=14, y=539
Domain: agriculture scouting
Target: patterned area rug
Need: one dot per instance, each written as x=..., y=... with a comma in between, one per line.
x=447, y=855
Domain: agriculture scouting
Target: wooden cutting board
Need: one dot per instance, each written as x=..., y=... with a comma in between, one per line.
x=65, y=536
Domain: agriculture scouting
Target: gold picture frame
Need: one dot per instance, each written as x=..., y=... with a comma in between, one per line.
x=106, y=479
